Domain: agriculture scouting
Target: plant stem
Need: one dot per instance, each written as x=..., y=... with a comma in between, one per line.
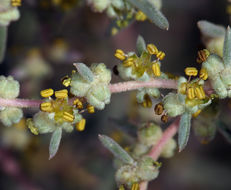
x=133, y=85
x=114, y=88
x=167, y=135
x=157, y=149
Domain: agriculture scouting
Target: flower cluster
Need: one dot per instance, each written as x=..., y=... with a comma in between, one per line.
x=9, y=89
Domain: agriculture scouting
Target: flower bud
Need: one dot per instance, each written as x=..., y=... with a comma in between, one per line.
x=11, y=115
x=9, y=88
x=169, y=148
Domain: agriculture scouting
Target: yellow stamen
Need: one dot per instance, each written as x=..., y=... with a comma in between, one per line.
x=121, y=187
x=90, y=109
x=196, y=113
x=156, y=69
x=190, y=93
x=159, y=108
x=30, y=125
x=199, y=93
x=160, y=55
x=164, y=118
x=129, y=62
x=202, y=91
x=202, y=55
x=78, y=103
x=61, y=93
x=46, y=107
x=81, y=125
x=147, y=102
x=68, y=117
x=66, y=81
x=191, y=71
x=47, y=93
x=140, y=16
x=119, y=54
x=183, y=88
x=16, y=3
x=135, y=186
x=203, y=74
x=152, y=49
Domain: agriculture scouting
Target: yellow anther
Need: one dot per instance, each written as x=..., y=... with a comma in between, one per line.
x=191, y=71
x=159, y=108
x=46, y=107
x=90, y=108
x=30, y=125
x=47, y=93
x=121, y=187
x=199, y=92
x=164, y=118
x=183, y=88
x=140, y=16
x=160, y=55
x=147, y=103
x=135, y=186
x=119, y=54
x=68, y=117
x=61, y=93
x=81, y=125
x=156, y=69
x=152, y=49
x=203, y=74
x=129, y=62
x=66, y=81
x=16, y=3
x=202, y=91
x=202, y=55
x=78, y=103
x=191, y=93
x=196, y=113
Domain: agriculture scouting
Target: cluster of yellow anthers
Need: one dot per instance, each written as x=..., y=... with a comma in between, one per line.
x=16, y=3
x=135, y=186
x=62, y=108
x=140, y=16
x=142, y=64
x=159, y=110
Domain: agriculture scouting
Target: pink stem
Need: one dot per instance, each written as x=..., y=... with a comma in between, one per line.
x=23, y=103
x=167, y=135
x=144, y=185
x=133, y=85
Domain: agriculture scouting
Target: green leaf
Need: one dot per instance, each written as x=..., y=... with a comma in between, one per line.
x=116, y=149
x=84, y=71
x=227, y=47
x=3, y=38
x=225, y=130
x=140, y=45
x=55, y=141
x=211, y=30
x=151, y=12
x=184, y=130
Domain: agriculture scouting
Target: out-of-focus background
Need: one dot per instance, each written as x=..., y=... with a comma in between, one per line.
x=41, y=48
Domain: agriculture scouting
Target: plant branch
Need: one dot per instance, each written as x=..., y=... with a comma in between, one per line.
x=23, y=103
x=133, y=85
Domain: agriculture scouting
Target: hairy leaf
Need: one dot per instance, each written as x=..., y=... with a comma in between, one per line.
x=184, y=130
x=211, y=30
x=55, y=141
x=116, y=149
x=227, y=47
x=225, y=130
x=140, y=45
x=3, y=38
x=84, y=71
x=151, y=12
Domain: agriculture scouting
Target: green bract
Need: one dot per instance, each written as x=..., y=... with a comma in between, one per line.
x=96, y=91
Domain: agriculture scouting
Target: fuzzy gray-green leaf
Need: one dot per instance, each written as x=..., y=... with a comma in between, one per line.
x=55, y=141
x=84, y=71
x=3, y=38
x=227, y=47
x=151, y=12
x=211, y=30
x=184, y=130
x=116, y=149
x=140, y=45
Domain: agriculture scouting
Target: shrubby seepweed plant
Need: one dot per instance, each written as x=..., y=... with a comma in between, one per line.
x=89, y=88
